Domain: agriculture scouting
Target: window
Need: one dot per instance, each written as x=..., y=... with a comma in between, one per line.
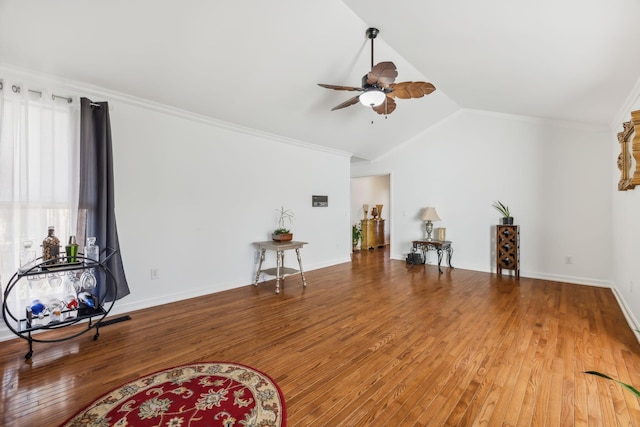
x=39, y=140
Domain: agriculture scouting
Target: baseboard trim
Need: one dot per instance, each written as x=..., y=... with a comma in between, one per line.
x=627, y=312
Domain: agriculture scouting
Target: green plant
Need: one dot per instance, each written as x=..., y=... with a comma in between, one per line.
x=356, y=234
x=625, y=385
x=283, y=215
x=502, y=208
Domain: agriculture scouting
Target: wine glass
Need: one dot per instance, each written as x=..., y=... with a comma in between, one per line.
x=37, y=310
x=71, y=304
x=88, y=281
x=55, y=309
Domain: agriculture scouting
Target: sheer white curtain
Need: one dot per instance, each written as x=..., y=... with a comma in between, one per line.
x=39, y=155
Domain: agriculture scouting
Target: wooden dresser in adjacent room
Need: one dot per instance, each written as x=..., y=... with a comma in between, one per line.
x=372, y=233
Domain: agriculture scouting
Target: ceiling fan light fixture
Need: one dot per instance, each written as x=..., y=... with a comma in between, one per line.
x=372, y=97
x=378, y=88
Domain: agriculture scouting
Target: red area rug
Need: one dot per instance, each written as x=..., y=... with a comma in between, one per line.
x=199, y=394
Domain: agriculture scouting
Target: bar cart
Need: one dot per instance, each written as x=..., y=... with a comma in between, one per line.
x=39, y=298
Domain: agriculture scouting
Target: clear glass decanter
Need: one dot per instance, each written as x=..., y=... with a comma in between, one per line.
x=92, y=251
x=27, y=256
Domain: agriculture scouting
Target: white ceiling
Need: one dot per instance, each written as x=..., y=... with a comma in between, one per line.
x=256, y=63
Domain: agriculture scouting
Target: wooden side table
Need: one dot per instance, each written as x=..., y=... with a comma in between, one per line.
x=440, y=246
x=508, y=249
x=280, y=271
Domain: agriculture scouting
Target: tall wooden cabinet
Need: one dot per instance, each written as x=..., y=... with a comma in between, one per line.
x=508, y=249
x=372, y=233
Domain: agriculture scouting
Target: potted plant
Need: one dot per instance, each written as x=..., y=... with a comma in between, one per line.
x=356, y=235
x=507, y=219
x=282, y=233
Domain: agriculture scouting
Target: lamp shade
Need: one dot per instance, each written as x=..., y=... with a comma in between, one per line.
x=430, y=214
x=372, y=97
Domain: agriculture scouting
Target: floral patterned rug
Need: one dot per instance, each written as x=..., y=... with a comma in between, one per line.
x=199, y=394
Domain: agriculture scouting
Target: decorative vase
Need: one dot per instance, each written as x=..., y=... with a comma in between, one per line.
x=379, y=207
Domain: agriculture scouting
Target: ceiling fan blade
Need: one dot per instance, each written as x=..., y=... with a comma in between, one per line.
x=383, y=73
x=387, y=107
x=408, y=90
x=347, y=103
x=336, y=87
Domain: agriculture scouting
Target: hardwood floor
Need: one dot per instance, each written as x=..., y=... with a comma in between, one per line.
x=372, y=342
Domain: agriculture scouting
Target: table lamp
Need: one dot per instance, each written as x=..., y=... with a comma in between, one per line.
x=429, y=215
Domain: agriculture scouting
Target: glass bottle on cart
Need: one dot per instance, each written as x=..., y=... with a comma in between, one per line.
x=50, y=247
x=27, y=256
x=88, y=280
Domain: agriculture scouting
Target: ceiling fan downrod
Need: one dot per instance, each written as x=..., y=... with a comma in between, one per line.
x=372, y=33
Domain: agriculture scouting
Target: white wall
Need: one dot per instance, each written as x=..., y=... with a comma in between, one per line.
x=192, y=195
x=555, y=178
x=626, y=229
x=202, y=194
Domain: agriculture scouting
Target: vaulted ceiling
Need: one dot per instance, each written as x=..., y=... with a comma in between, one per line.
x=256, y=64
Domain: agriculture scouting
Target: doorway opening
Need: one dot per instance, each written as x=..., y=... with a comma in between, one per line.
x=370, y=191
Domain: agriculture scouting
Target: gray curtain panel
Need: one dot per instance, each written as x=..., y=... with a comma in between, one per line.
x=96, y=202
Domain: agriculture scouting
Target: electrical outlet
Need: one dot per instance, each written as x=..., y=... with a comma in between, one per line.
x=155, y=273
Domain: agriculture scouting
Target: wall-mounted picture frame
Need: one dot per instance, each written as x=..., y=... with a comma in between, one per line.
x=320, y=201
x=629, y=157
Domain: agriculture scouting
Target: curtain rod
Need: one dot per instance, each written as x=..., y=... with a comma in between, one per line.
x=16, y=89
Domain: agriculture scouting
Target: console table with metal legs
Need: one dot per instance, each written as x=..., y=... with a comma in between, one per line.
x=280, y=271
x=436, y=245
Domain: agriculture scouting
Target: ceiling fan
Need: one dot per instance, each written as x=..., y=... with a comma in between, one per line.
x=378, y=87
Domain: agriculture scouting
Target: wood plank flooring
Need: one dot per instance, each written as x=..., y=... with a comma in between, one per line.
x=367, y=343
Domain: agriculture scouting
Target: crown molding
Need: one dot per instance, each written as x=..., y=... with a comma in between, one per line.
x=86, y=90
x=628, y=105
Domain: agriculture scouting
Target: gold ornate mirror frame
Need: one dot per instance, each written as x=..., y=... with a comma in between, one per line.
x=629, y=157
